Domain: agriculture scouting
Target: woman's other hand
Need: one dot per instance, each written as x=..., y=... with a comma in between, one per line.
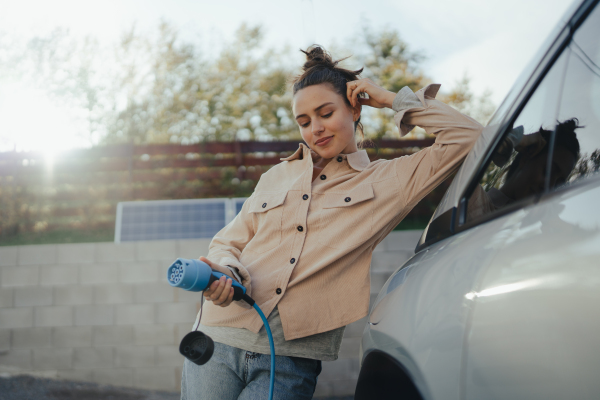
x=378, y=96
x=219, y=292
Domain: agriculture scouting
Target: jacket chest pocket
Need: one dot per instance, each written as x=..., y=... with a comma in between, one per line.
x=346, y=219
x=267, y=213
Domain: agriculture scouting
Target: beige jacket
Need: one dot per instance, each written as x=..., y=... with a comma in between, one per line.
x=305, y=246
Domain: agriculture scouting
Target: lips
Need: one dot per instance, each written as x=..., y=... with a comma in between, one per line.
x=323, y=140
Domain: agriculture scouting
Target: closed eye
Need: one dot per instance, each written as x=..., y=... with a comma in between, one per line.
x=323, y=116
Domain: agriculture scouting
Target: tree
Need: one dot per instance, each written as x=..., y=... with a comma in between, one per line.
x=462, y=98
x=183, y=98
x=391, y=63
x=158, y=88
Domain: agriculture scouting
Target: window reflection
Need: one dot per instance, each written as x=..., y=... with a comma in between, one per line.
x=518, y=165
x=581, y=95
x=561, y=118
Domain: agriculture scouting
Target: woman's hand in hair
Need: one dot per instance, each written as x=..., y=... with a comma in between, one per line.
x=219, y=292
x=378, y=96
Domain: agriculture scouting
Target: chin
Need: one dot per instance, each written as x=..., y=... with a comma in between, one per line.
x=327, y=153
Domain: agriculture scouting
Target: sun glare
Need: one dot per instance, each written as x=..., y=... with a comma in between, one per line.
x=32, y=121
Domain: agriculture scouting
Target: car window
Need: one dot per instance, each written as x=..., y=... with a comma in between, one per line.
x=577, y=138
x=516, y=171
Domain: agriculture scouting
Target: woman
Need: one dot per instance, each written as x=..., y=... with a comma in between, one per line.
x=302, y=243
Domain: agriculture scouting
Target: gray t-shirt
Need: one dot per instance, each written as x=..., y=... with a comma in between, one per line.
x=323, y=346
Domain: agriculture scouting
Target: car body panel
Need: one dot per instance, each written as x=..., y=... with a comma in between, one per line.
x=535, y=326
x=506, y=307
x=440, y=312
x=421, y=314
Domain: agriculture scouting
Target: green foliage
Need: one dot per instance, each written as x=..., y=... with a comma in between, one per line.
x=16, y=203
x=586, y=166
x=59, y=236
x=187, y=99
x=159, y=88
x=462, y=98
x=156, y=87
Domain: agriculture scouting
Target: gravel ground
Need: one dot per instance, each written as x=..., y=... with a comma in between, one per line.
x=23, y=387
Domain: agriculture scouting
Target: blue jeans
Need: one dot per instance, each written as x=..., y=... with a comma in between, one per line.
x=233, y=374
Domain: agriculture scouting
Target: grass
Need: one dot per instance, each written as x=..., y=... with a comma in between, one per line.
x=59, y=237
x=412, y=224
x=107, y=235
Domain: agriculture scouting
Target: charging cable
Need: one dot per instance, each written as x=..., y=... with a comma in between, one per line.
x=196, y=276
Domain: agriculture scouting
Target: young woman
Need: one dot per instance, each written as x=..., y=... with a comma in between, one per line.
x=302, y=243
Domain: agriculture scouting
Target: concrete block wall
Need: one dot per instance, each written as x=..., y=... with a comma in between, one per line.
x=339, y=377
x=103, y=312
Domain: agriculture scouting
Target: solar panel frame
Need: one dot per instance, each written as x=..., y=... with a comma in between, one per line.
x=237, y=203
x=173, y=219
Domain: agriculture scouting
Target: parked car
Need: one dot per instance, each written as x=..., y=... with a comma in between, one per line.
x=502, y=297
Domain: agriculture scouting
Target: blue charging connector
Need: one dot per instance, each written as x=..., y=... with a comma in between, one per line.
x=196, y=276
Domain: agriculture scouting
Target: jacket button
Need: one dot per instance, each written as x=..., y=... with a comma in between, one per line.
x=340, y=159
x=347, y=199
x=264, y=205
x=300, y=229
x=305, y=197
x=293, y=260
x=278, y=291
x=323, y=177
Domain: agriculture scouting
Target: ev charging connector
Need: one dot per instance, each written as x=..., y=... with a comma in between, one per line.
x=196, y=276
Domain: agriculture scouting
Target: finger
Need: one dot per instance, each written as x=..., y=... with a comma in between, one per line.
x=229, y=299
x=356, y=93
x=211, y=289
x=206, y=260
x=349, y=87
x=368, y=102
x=217, y=292
x=214, y=285
x=225, y=293
x=220, y=289
x=353, y=94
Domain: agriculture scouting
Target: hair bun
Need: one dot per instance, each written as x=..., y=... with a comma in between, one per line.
x=317, y=56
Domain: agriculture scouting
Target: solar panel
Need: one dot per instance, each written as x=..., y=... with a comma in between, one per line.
x=238, y=203
x=174, y=219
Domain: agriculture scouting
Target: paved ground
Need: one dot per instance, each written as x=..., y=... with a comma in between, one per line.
x=24, y=387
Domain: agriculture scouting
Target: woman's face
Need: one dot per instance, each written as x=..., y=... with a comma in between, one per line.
x=326, y=122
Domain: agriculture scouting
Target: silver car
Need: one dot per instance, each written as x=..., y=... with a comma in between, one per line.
x=502, y=297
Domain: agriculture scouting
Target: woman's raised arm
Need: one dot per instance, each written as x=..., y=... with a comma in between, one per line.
x=455, y=133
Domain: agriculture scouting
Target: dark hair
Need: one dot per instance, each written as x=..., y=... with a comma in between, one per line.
x=565, y=137
x=320, y=68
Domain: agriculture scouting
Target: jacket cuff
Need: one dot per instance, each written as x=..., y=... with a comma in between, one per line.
x=406, y=101
x=234, y=272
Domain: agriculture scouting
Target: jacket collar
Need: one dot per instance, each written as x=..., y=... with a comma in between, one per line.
x=357, y=160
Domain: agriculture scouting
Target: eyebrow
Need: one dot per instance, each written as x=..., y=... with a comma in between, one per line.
x=316, y=109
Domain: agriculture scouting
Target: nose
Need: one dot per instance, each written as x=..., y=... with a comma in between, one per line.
x=317, y=127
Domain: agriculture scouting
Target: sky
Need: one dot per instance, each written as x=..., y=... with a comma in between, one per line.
x=489, y=40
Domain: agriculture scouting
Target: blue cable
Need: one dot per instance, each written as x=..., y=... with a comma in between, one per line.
x=272, y=346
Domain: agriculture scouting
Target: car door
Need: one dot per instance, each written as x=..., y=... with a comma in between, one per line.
x=533, y=333
x=425, y=313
